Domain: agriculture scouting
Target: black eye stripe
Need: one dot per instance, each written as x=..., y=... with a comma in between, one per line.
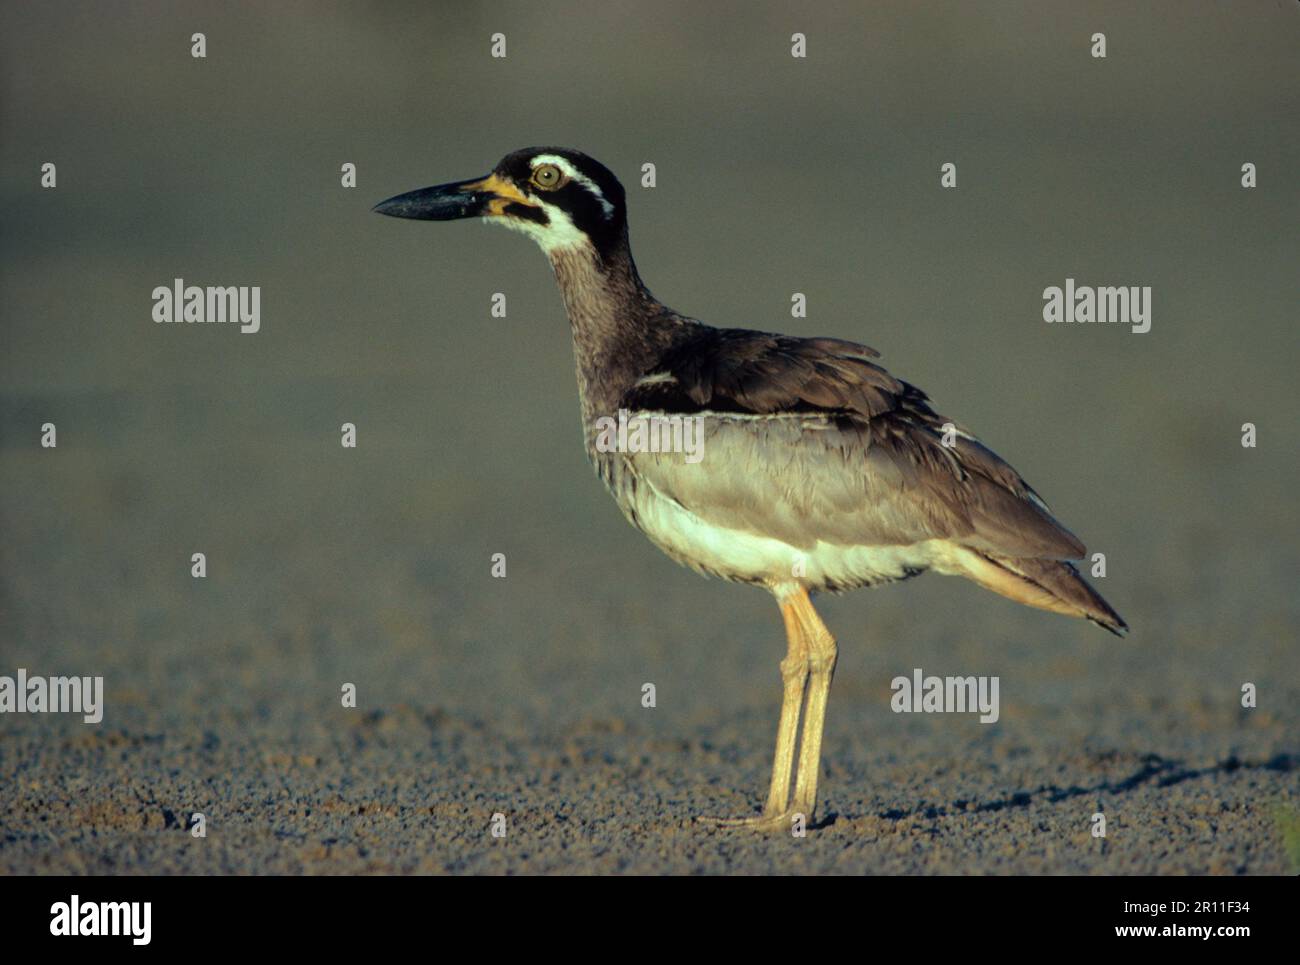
x=528, y=212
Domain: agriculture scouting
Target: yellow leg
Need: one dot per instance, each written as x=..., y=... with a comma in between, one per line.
x=808, y=665
x=794, y=680
x=821, y=666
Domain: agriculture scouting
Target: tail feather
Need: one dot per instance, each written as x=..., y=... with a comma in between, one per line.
x=1053, y=585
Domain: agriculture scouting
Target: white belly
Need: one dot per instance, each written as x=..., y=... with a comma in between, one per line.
x=753, y=558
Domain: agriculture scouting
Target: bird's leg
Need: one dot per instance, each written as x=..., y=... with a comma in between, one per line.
x=794, y=680
x=821, y=667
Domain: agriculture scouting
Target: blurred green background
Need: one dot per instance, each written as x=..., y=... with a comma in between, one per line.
x=775, y=175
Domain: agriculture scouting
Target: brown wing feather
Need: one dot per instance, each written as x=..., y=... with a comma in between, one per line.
x=853, y=454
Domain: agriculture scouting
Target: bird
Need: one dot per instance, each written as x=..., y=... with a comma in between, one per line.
x=817, y=472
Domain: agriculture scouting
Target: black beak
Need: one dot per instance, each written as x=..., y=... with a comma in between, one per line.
x=444, y=202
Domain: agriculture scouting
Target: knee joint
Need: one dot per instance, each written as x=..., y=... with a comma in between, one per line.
x=822, y=655
x=794, y=668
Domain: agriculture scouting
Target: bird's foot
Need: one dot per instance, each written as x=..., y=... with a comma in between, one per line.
x=779, y=822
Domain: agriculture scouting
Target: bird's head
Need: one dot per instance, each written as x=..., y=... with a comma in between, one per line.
x=560, y=197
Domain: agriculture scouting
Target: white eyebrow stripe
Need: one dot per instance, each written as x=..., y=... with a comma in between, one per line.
x=574, y=174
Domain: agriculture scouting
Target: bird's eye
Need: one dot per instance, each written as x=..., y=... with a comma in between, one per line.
x=547, y=176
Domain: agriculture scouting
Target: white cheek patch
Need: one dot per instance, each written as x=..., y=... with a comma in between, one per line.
x=559, y=233
x=573, y=174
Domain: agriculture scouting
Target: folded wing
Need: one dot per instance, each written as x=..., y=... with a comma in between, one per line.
x=810, y=439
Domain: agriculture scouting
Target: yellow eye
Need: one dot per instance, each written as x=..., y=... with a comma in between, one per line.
x=547, y=176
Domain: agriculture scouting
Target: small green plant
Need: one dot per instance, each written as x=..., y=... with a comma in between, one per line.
x=1288, y=823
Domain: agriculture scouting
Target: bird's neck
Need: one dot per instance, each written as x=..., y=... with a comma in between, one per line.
x=620, y=330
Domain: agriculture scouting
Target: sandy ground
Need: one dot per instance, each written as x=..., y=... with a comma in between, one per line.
x=522, y=696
